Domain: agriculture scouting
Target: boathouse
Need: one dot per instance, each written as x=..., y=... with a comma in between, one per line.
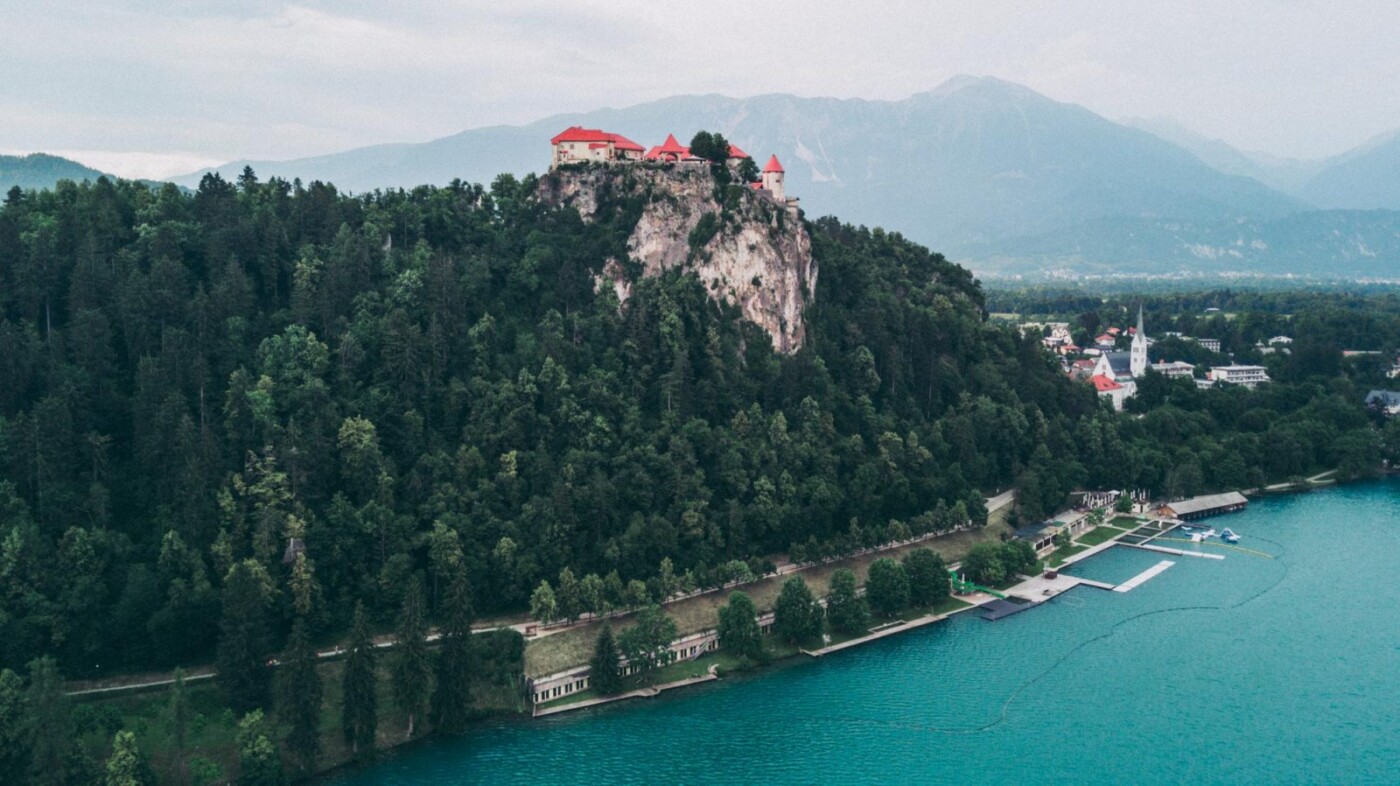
x=1200, y=507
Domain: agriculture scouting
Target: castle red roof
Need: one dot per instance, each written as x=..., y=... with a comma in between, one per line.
x=773, y=165
x=1103, y=384
x=596, y=136
x=735, y=152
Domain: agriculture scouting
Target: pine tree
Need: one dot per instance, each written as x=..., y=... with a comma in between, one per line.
x=359, y=710
x=605, y=670
x=452, y=698
x=14, y=743
x=245, y=640
x=301, y=697
x=50, y=724
x=413, y=669
x=178, y=715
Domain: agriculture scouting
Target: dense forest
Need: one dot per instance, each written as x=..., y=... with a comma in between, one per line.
x=407, y=381
x=347, y=395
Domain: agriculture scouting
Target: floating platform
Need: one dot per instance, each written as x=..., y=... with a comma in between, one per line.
x=998, y=609
x=1177, y=552
x=1144, y=576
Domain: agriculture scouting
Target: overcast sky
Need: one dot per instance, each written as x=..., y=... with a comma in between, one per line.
x=159, y=87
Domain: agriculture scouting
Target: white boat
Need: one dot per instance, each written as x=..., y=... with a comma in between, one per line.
x=1229, y=536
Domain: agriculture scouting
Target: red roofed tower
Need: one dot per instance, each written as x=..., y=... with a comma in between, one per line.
x=773, y=178
x=670, y=150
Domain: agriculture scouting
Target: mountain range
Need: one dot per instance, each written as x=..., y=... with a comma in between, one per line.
x=41, y=170
x=989, y=172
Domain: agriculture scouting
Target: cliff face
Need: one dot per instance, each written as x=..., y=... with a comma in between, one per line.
x=751, y=252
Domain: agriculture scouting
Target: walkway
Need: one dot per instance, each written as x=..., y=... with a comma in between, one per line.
x=1177, y=552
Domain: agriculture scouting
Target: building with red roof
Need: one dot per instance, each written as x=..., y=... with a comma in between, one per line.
x=773, y=178
x=576, y=144
x=1110, y=389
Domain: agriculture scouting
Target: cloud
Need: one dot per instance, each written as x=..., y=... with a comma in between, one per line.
x=262, y=78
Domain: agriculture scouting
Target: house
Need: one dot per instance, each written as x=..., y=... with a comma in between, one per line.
x=1387, y=402
x=576, y=144
x=1175, y=369
x=1200, y=507
x=1108, y=388
x=1081, y=369
x=1279, y=341
x=1249, y=376
x=1105, y=341
x=1042, y=535
x=1213, y=344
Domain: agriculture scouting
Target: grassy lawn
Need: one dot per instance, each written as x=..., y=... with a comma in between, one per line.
x=1126, y=522
x=566, y=649
x=1058, y=557
x=1099, y=535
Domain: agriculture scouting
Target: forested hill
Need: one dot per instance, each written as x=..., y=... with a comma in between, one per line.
x=406, y=379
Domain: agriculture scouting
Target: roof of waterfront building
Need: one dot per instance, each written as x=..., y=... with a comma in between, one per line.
x=1186, y=507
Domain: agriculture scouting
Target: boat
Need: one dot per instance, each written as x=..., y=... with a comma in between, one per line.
x=1228, y=535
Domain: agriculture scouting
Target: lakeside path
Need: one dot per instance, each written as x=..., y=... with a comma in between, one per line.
x=556, y=648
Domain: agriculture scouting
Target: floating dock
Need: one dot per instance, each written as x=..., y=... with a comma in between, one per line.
x=1176, y=552
x=1141, y=578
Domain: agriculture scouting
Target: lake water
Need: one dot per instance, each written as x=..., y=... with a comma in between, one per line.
x=1242, y=670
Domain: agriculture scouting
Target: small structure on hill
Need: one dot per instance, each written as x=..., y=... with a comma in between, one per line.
x=576, y=144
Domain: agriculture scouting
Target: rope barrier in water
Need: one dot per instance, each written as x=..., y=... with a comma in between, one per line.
x=1221, y=545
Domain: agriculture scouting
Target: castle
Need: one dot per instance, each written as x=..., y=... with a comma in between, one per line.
x=578, y=145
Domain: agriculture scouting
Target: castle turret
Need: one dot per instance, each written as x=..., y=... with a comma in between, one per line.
x=1137, y=361
x=773, y=178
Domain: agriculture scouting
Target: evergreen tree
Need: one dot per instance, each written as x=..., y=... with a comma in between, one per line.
x=928, y=577
x=245, y=640
x=452, y=696
x=50, y=724
x=887, y=587
x=178, y=716
x=845, y=609
x=258, y=762
x=413, y=667
x=359, y=712
x=605, y=670
x=14, y=741
x=983, y=564
x=797, y=617
x=301, y=697
x=738, y=627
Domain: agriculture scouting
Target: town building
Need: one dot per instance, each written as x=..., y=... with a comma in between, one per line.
x=575, y=680
x=1200, y=507
x=1176, y=369
x=576, y=145
x=1108, y=388
x=1041, y=536
x=1213, y=344
x=1249, y=376
x=1387, y=402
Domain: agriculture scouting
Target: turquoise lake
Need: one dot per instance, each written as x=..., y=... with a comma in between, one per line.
x=1242, y=670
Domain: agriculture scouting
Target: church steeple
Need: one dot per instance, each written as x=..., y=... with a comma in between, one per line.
x=1137, y=359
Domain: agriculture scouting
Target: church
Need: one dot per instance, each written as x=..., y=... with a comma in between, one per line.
x=1116, y=373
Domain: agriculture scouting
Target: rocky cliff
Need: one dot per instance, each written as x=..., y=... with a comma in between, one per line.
x=748, y=249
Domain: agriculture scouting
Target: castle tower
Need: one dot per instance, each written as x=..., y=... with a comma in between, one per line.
x=1137, y=359
x=773, y=178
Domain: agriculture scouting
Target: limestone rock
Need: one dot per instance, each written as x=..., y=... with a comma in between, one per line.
x=752, y=252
